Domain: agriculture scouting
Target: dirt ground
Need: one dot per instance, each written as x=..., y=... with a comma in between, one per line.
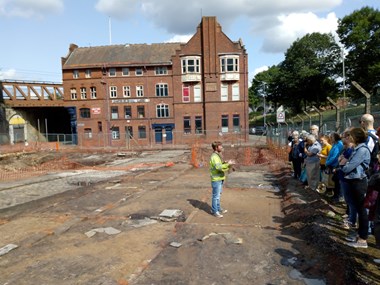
x=110, y=232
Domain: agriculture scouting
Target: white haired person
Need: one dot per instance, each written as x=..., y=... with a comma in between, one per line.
x=312, y=164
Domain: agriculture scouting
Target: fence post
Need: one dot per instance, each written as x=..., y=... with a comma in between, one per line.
x=367, y=96
x=337, y=125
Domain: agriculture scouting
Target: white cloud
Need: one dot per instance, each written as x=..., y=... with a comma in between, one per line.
x=8, y=74
x=179, y=39
x=278, y=38
x=30, y=8
x=178, y=17
x=260, y=69
x=118, y=9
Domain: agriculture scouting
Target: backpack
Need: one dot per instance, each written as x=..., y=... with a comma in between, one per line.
x=375, y=150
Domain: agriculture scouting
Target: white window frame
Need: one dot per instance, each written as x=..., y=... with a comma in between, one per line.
x=83, y=93
x=229, y=63
x=75, y=74
x=93, y=92
x=113, y=92
x=125, y=71
x=162, y=90
x=88, y=73
x=139, y=91
x=115, y=133
x=162, y=111
x=188, y=67
x=114, y=115
x=126, y=91
x=224, y=92
x=197, y=93
x=161, y=70
x=112, y=72
x=73, y=93
x=139, y=71
x=235, y=92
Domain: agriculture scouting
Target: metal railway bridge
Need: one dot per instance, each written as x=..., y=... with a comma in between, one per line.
x=30, y=110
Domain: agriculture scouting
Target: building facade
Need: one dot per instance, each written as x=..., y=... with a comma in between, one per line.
x=167, y=93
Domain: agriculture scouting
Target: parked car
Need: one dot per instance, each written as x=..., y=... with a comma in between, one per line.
x=257, y=130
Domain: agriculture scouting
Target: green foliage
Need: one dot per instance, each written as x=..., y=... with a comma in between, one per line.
x=359, y=32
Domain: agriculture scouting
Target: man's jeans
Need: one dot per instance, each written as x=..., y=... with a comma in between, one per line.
x=216, y=193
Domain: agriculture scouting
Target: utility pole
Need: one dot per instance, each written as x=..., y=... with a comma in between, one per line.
x=344, y=91
x=337, y=125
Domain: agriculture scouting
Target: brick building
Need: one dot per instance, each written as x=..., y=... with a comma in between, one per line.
x=167, y=93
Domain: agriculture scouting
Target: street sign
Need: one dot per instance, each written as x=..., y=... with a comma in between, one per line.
x=280, y=115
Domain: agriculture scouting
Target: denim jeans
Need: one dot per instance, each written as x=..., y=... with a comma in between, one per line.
x=216, y=193
x=352, y=213
x=358, y=190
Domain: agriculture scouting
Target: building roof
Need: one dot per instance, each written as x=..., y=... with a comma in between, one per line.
x=129, y=54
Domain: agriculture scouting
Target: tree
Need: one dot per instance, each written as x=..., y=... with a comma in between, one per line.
x=264, y=84
x=359, y=32
x=309, y=72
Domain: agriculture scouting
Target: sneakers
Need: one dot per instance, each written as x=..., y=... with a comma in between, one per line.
x=329, y=193
x=358, y=244
x=218, y=215
x=352, y=238
x=223, y=211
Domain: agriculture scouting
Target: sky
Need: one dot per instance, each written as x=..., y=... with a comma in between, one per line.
x=36, y=34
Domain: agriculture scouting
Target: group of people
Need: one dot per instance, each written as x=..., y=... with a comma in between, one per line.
x=344, y=166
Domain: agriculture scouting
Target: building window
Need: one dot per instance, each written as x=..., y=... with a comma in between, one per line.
x=127, y=112
x=125, y=71
x=224, y=123
x=235, y=92
x=236, y=123
x=139, y=72
x=75, y=74
x=115, y=133
x=100, y=127
x=224, y=92
x=93, y=92
x=73, y=93
x=128, y=132
x=185, y=94
x=142, y=132
x=140, y=91
x=126, y=91
x=88, y=73
x=114, y=113
x=229, y=64
x=161, y=70
x=87, y=133
x=85, y=113
x=198, y=125
x=162, y=90
x=112, y=72
x=191, y=64
x=83, y=94
x=113, y=92
x=197, y=93
x=162, y=111
x=187, y=125
x=141, y=111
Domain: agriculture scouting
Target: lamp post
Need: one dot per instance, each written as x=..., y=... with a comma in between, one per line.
x=265, y=111
x=344, y=90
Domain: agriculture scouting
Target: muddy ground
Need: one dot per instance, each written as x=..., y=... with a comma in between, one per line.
x=275, y=232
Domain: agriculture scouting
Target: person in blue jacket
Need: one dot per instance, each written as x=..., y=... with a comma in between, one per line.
x=332, y=162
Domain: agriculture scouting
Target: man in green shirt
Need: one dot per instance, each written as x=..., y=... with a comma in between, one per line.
x=218, y=169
